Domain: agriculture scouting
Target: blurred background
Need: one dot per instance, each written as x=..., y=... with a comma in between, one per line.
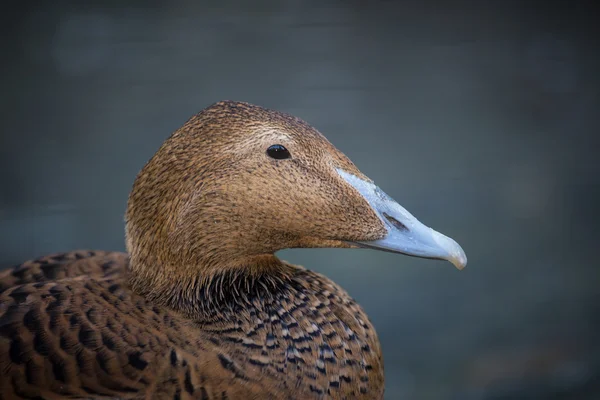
x=481, y=118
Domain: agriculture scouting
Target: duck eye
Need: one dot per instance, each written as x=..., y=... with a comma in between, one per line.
x=278, y=152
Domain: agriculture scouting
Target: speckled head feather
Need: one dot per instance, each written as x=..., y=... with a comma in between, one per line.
x=211, y=201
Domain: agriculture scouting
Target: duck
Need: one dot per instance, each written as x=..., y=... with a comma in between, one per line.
x=199, y=306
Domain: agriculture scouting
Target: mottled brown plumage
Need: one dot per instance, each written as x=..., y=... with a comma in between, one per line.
x=200, y=308
x=71, y=327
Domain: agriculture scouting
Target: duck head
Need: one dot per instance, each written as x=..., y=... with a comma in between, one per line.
x=239, y=182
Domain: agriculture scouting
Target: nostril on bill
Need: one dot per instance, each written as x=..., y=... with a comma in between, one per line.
x=397, y=224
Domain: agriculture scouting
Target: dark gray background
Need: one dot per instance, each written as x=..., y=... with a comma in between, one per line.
x=481, y=118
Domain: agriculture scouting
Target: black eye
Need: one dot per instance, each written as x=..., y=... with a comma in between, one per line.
x=278, y=152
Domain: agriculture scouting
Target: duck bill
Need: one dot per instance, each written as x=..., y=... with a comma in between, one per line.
x=405, y=234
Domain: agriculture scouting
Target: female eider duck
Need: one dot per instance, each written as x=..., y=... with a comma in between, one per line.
x=200, y=307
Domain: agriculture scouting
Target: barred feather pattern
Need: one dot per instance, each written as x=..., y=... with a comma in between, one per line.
x=70, y=327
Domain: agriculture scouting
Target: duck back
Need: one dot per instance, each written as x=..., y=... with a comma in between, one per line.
x=70, y=327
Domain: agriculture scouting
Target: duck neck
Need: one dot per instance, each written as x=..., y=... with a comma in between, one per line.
x=216, y=293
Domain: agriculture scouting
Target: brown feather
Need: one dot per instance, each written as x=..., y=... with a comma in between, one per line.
x=200, y=307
